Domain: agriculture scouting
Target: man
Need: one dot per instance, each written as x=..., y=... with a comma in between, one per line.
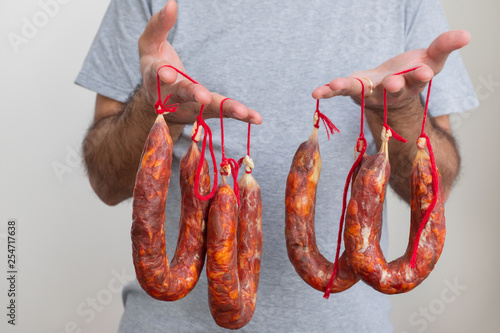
x=268, y=56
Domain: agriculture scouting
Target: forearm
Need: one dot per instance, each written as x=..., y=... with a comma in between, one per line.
x=408, y=123
x=113, y=145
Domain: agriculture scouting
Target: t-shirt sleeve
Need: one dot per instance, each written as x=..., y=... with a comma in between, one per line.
x=111, y=67
x=452, y=90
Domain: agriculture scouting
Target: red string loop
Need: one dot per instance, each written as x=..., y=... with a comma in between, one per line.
x=233, y=164
x=207, y=132
x=435, y=183
x=240, y=161
x=161, y=106
x=361, y=148
x=386, y=125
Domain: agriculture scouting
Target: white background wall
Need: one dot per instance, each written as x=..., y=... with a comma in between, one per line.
x=74, y=252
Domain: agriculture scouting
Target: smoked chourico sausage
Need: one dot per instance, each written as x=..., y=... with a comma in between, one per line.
x=300, y=202
x=234, y=242
x=161, y=280
x=364, y=224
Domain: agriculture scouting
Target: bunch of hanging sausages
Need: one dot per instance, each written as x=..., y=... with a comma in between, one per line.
x=229, y=234
x=362, y=258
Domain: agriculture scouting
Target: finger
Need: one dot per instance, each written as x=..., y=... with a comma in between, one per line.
x=414, y=81
x=186, y=91
x=443, y=45
x=167, y=74
x=345, y=86
x=233, y=109
x=158, y=27
x=322, y=92
x=183, y=90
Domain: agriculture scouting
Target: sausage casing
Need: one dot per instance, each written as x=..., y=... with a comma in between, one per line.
x=249, y=243
x=364, y=224
x=234, y=252
x=159, y=278
x=300, y=202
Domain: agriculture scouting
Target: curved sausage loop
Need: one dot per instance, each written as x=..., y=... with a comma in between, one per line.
x=161, y=280
x=234, y=242
x=300, y=202
x=364, y=224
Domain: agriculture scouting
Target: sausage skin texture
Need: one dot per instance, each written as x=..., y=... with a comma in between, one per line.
x=234, y=252
x=161, y=280
x=249, y=243
x=364, y=225
x=300, y=202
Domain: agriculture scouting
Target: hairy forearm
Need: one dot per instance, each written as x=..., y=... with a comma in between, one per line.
x=408, y=123
x=113, y=145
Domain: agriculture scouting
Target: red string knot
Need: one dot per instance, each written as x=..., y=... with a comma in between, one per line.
x=196, y=132
x=161, y=108
x=329, y=126
x=249, y=165
x=158, y=107
x=421, y=142
x=386, y=134
x=360, y=143
x=225, y=168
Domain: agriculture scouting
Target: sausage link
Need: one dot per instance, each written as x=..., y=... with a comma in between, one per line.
x=249, y=244
x=300, y=202
x=364, y=225
x=234, y=240
x=224, y=297
x=161, y=280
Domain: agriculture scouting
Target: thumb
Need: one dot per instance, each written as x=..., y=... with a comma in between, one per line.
x=158, y=27
x=443, y=45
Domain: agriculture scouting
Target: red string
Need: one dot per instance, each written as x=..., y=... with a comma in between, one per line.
x=362, y=151
x=426, y=106
x=160, y=106
x=435, y=183
x=386, y=125
x=240, y=161
x=207, y=132
x=407, y=70
x=330, y=127
x=248, y=139
x=233, y=164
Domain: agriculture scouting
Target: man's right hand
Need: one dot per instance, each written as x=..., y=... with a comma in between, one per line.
x=155, y=51
x=111, y=157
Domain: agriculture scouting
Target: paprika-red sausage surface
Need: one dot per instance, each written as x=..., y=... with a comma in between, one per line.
x=363, y=226
x=234, y=241
x=300, y=202
x=159, y=278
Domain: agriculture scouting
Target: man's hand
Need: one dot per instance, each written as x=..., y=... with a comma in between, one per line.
x=405, y=108
x=111, y=156
x=155, y=51
x=403, y=89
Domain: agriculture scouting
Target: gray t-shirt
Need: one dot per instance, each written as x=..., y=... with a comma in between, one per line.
x=270, y=55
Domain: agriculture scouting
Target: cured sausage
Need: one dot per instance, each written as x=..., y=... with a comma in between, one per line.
x=300, y=202
x=249, y=239
x=234, y=241
x=161, y=280
x=364, y=225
